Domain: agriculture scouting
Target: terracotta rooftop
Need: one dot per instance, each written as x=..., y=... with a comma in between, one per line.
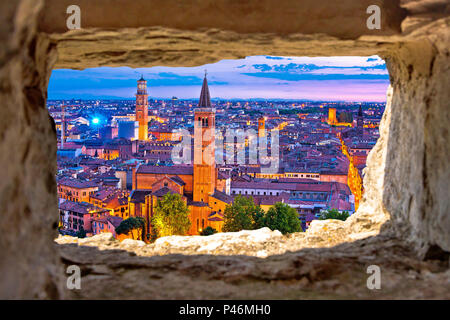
x=222, y=196
x=177, y=180
x=197, y=204
x=138, y=195
x=169, y=170
x=115, y=221
x=323, y=187
x=215, y=219
x=79, y=207
x=162, y=192
x=75, y=183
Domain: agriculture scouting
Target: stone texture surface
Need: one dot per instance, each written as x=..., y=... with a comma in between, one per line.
x=259, y=243
x=231, y=266
x=414, y=41
x=406, y=179
x=250, y=16
x=417, y=171
x=29, y=265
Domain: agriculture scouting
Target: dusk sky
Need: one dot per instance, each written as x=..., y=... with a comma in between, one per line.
x=318, y=78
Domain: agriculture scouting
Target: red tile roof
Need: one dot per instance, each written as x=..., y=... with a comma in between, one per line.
x=75, y=183
x=313, y=187
x=169, y=170
x=222, y=196
x=80, y=207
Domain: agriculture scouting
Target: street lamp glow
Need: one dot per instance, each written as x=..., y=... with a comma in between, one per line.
x=95, y=120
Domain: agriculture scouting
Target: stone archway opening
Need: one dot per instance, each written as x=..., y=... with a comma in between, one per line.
x=407, y=174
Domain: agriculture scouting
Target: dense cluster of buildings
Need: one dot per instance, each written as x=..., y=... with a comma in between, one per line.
x=115, y=158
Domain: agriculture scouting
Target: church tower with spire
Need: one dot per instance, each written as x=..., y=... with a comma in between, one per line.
x=360, y=122
x=142, y=108
x=205, y=175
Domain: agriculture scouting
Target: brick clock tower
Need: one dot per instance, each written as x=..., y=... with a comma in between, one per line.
x=205, y=176
x=142, y=108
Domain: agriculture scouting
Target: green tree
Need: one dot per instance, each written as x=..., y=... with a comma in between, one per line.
x=133, y=225
x=283, y=218
x=171, y=216
x=334, y=214
x=208, y=231
x=258, y=217
x=243, y=214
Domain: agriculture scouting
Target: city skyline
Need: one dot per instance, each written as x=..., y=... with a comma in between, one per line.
x=258, y=77
x=120, y=170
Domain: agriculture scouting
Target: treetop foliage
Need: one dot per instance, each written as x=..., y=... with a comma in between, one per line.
x=243, y=214
x=171, y=216
x=334, y=214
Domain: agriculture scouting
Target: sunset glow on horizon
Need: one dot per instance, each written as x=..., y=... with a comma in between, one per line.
x=265, y=77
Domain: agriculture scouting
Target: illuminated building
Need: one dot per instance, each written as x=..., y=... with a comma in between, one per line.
x=332, y=119
x=142, y=109
x=332, y=116
x=76, y=190
x=261, y=127
x=197, y=184
x=77, y=216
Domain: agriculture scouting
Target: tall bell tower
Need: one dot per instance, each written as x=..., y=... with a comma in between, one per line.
x=204, y=147
x=142, y=108
x=261, y=127
x=360, y=122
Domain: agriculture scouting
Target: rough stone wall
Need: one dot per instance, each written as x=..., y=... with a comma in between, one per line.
x=28, y=263
x=408, y=170
x=417, y=168
x=372, y=214
x=344, y=19
x=257, y=264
